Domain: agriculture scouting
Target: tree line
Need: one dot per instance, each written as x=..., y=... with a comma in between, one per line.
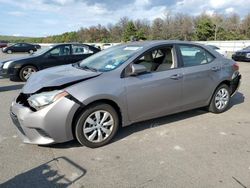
x=177, y=26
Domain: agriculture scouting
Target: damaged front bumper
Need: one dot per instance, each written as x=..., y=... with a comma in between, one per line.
x=52, y=124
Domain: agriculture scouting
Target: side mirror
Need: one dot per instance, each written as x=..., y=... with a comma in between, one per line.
x=137, y=69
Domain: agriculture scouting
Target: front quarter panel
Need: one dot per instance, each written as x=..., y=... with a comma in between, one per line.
x=107, y=86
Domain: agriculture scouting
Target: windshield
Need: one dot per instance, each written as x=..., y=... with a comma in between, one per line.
x=110, y=58
x=43, y=50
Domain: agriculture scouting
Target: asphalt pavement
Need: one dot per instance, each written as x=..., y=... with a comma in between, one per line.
x=190, y=149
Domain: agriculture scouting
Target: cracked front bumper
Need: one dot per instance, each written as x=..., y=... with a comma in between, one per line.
x=52, y=124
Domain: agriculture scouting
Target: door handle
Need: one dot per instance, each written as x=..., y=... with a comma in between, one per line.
x=215, y=68
x=176, y=76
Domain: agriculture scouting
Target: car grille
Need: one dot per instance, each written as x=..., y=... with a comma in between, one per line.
x=23, y=100
x=16, y=122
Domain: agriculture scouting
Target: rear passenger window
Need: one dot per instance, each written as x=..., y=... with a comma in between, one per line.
x=193, y=55
x=80, y=49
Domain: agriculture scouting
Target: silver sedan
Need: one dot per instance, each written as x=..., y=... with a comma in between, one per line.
x=128, y=83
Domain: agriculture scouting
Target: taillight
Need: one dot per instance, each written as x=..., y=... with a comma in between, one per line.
x=236, y=67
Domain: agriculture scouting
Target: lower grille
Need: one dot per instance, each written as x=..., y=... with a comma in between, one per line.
x=16, y=122
x=43, y=133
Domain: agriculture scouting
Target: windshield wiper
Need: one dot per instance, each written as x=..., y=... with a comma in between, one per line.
x=89, y=68
x=85, y=67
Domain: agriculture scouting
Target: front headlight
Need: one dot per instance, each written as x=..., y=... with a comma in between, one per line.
x=248, y=55
x=41, y=100
x=7, y=64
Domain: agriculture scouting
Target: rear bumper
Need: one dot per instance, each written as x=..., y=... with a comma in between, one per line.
x=52, y=124
x=235, y=84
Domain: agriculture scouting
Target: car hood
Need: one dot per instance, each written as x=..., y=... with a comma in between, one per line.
x=56, y=78
x=21, y=58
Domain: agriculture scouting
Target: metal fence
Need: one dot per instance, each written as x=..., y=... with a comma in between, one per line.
x=229, y=46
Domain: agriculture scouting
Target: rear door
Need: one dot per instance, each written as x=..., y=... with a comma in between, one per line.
x=59, y=55
x=157, y=92
x=25, y=47
x=80, y=52
x=200, y=72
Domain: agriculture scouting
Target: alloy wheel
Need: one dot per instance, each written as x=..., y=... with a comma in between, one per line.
x=27, y=72
x=98, y=126
x=222, y=98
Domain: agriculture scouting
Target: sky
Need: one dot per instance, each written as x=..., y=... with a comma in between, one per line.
x=38, y=18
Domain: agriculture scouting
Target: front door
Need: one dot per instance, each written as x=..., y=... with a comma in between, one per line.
x=157, y=92
x=59, y=55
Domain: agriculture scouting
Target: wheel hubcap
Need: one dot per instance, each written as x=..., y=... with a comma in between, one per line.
x=27, y=72
x=221, y=99
x=98, y=126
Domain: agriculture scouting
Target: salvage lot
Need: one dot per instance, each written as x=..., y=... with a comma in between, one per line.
x=189, y=149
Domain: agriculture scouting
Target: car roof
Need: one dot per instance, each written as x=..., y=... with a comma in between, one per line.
x=153, y=43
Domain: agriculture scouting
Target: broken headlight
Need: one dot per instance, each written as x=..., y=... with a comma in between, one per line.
x=41, y=100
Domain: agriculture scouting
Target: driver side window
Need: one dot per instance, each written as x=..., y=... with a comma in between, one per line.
x=158, y=60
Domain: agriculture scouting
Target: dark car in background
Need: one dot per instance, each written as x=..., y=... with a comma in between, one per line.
x=20, y=47
x=3, y=44
x=242, y=55
x=38, y=46
x=55, y=55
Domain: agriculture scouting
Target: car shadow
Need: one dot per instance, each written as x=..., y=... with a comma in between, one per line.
x=48, y=175
x=123, y=132
x=11, y=87
x=238, y=98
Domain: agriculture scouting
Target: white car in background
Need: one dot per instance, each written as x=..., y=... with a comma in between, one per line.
x=106, y=45
x=222, y=52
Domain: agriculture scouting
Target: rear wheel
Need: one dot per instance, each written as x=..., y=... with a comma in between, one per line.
x=26, y=71
x=97, y=125
x=220, y=100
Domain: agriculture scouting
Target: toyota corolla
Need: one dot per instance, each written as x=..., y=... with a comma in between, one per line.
x=128, y=83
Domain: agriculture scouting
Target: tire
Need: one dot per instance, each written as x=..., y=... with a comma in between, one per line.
x=31, y=51
x=220, y=100
x=26, y=71
x=9, y=51
x=96, y=135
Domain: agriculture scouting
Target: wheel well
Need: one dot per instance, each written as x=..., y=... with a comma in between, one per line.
x=28, y=65
x=228, y=83
x=106, y=101
x=25, y=66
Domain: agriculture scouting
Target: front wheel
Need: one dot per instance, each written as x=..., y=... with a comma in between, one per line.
x=26, y=71
x=97, y=125
x=31, y=51
x=221, y=99
x=9, y=51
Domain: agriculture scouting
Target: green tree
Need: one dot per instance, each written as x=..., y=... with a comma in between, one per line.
x=204, y=28
x=130, y=31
